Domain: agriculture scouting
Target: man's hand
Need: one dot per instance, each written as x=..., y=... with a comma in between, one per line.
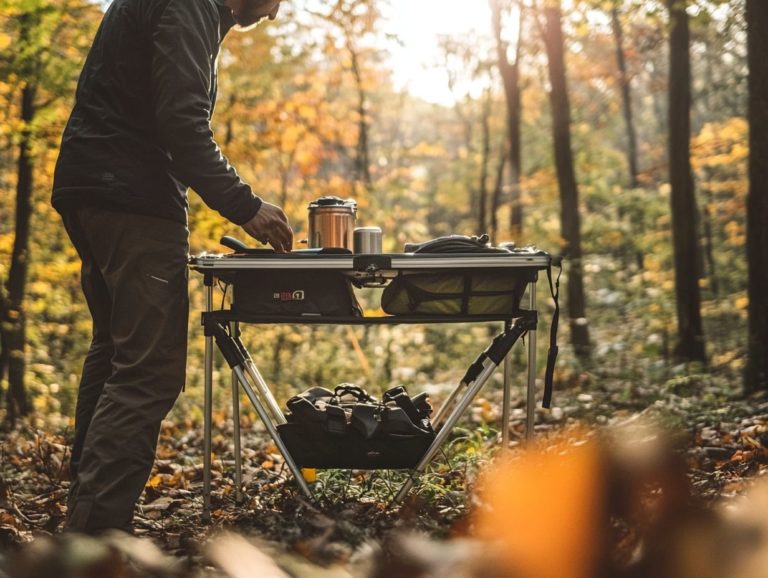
x=270, y=225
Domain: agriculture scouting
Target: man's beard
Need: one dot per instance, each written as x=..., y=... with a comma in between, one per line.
x=251, y=26
x=252, y=16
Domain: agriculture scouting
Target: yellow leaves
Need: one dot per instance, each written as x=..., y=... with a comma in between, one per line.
x=735, y=233
x=307, y=112
x=612, y=238
x=175, y=480
x=340, y=187
x=310, y=475
x=741, y=303
x=726, y=138
x=155, y=481
x=740, y=151
x=429, y=149
x=719, y=155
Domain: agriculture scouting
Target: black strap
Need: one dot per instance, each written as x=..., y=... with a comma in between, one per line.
x=355, y=390
x=553, y=349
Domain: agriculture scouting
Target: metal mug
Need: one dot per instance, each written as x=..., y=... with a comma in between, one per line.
x=331, y=223
x=367, y=240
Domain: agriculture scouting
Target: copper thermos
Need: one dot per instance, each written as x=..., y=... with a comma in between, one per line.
x=331, y=223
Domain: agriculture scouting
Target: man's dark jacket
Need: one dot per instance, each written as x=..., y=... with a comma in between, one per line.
x=140, y=132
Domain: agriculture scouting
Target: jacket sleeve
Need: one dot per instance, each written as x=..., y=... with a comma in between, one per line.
x=185, y=45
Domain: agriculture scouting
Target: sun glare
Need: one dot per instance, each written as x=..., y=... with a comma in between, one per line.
x=419, y=24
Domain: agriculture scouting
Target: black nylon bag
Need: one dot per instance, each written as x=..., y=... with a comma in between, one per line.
x=276, y=292
x=374, y=435
x=313, y=447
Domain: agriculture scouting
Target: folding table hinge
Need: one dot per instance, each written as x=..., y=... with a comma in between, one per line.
x=231, y=347
x=500, y=346
x=529, y=321
x=208, y=324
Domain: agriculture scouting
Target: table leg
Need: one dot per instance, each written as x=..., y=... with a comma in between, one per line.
x=236, y=433
x=272, y=430
x=258, y=380
x=207, y=410
x=447, y=405
x=505, y=410
x=445, y=431
x=264, y=391
x=476, y=377
x=531, y=394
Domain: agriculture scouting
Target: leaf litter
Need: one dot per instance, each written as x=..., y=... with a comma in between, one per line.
x=715, y=448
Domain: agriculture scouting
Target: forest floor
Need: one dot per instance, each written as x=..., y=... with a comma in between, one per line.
x=720, y=436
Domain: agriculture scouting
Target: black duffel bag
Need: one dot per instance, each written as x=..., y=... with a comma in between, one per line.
x=348, y=428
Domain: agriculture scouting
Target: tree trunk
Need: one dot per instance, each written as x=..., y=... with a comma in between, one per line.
x=482, y=210
x=496, y=197
x=690, y=345
x=626, y=96
x=12, y=321
x=362, y=158
x=709, y=245
x=569, y=191
x=510, y=74
x=756, y=374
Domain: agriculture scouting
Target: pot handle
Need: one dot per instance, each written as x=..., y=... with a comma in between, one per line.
x=234, y=244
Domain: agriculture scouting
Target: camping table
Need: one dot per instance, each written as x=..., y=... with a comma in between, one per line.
x=221, y=327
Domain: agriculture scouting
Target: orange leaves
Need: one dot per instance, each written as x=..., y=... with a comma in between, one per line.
x=7, y=520
x=544, y=512
x=175, y=480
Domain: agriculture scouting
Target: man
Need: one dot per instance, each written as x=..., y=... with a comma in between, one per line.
x=138, y=136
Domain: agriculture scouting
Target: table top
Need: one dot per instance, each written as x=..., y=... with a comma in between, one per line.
x=310, y=260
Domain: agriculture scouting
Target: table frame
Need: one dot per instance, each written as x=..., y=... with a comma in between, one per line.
x=222, y=327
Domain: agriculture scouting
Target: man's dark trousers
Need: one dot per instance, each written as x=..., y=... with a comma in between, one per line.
x=134, y=277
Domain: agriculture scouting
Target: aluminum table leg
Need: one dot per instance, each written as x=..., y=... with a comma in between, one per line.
x=233, y=352
x=505, y=410
x=261, y=385
x=476, y=377
x=531, y=394
x=236, y=431
x=445, y=431
x=207, y=408
x=264, y=391
x=272, y=430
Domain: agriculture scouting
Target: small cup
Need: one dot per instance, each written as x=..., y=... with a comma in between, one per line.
x=367, y=240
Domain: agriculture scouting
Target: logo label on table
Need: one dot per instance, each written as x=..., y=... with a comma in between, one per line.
x=289, y=296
